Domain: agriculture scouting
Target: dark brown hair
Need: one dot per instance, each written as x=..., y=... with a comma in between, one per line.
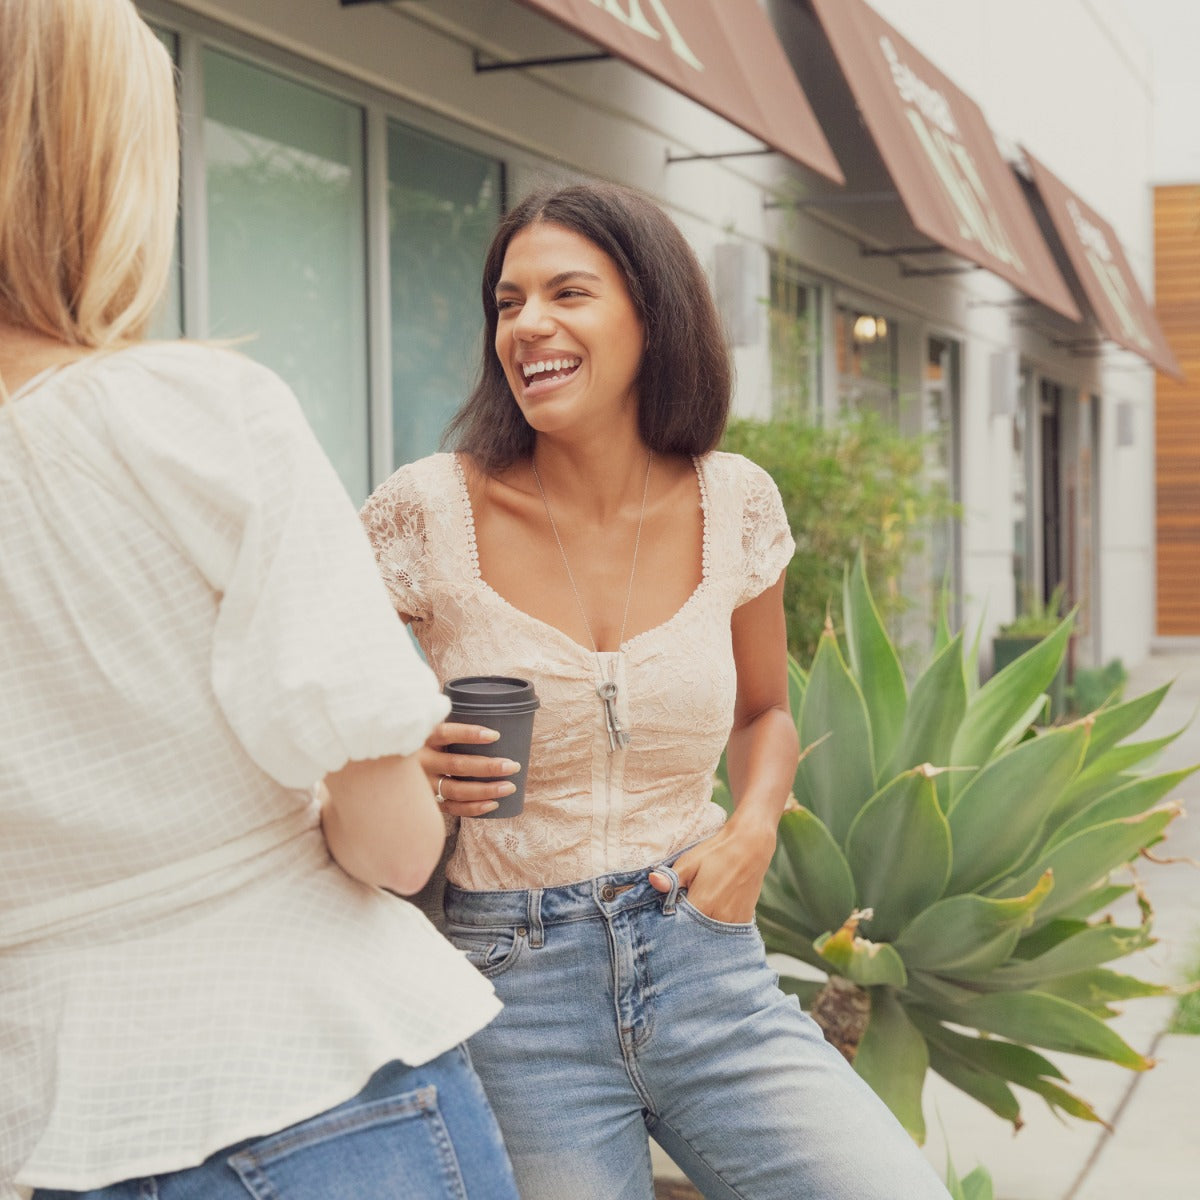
x=685, y=379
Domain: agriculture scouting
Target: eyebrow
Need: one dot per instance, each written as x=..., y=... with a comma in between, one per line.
x=553, y=282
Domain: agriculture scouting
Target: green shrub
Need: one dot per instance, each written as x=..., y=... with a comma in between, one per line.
x=858, y=485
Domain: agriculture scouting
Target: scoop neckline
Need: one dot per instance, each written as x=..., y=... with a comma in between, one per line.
x=468, y=516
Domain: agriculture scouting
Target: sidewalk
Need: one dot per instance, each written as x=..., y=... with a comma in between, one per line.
x=1153, y=1151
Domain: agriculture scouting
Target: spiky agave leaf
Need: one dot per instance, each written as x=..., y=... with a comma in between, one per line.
x=983, y=848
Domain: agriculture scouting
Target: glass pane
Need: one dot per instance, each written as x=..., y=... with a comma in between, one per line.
x=793, y=319
x=1021, y=499
x=866, y=362
x=941, y=465
x=443, y=205
x=286, y=244
x=168, y=321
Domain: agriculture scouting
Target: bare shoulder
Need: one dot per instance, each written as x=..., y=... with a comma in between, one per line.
x=505, y=494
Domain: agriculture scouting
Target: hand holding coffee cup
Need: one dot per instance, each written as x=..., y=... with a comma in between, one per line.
x=477, y=758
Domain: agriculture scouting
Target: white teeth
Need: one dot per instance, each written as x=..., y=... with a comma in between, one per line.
x=529, y=370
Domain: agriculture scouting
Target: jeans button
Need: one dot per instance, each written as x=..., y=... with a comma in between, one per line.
x=608, y=892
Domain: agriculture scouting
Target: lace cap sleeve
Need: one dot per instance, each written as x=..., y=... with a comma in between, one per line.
x=395, y=519
x=767, y=544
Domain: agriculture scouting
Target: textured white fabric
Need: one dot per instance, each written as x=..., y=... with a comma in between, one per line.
x=587, y=812
x=193, y=634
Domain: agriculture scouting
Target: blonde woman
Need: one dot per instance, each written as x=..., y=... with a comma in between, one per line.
x=204, y=990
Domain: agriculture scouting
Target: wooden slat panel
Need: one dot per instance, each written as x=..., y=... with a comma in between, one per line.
x=1177, y=411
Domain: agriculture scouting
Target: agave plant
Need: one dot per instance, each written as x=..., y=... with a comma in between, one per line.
x=948, y=866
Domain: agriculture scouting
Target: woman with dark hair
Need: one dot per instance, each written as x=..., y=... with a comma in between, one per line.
x=587, y=536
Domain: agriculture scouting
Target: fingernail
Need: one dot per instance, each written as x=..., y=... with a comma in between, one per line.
x=509, y=767
x=491, y=806
x=489, y=735
x=507, y=789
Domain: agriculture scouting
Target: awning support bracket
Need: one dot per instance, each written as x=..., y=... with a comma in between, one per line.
x=907, y=272
x=1016, y=302
x=519, y=64
x=900, y=251
x=681, y=158
x=846, y=200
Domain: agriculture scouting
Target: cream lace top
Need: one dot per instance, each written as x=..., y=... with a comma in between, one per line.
x=587, y=811
x=193, y=634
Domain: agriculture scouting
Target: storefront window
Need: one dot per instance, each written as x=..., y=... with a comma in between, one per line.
x=866, y=362
x=286, y=244
x=443, y=203
x=795, y=341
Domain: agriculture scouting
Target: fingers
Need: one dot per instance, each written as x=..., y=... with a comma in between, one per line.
x=469, y=797
x=659, y=882
x=448, y=733
x=466, y=785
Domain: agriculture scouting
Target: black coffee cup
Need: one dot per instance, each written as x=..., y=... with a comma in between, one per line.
x=506, y=705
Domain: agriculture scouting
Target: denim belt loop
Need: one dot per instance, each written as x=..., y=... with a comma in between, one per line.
x=537, y=935
x=668, y=904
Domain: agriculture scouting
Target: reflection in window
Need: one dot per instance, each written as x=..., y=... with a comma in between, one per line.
x=1021, y=498
x=866, y=362
x=940, y=426
x=286, y=244
x=795, y=338
x=443, y=204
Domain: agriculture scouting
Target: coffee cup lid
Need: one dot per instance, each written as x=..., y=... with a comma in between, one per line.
x=491, y=693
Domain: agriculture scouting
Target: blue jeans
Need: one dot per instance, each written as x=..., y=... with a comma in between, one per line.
x=413, y=1133
x=629, y=1013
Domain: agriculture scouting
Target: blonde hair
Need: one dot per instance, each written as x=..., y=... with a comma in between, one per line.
x=89, y=166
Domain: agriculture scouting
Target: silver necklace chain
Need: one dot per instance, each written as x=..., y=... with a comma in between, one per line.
x=606, y=689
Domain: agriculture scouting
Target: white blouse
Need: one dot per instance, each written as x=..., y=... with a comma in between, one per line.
x=587, y=811
x=193, y=634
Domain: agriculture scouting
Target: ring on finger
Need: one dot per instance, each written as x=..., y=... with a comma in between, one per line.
x=437, y=795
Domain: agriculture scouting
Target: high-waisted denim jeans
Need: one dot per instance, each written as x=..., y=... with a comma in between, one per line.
x=413, y=1133
x=628, y=1011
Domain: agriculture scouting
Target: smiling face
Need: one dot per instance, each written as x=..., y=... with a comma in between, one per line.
x=567, y=333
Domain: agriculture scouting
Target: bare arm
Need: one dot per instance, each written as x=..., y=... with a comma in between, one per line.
x=382, y=824
x=724, y=873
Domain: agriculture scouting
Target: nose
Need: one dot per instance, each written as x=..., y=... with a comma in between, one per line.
x=533, y=321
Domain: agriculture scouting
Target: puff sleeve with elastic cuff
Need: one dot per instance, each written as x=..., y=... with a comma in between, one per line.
x=309, y=663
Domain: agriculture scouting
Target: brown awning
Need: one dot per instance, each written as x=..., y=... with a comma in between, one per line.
x=721, y=53
x=1108, y=284
x=940, y=153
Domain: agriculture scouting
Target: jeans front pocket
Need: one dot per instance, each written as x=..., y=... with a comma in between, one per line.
x=490, y=950
x=734, y=927
x=397, y=1148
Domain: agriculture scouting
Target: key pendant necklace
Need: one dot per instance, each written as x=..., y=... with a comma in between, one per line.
x=606, y=689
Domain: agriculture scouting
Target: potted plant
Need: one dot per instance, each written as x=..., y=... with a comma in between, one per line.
x=946, y=870
x=1037, y=620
